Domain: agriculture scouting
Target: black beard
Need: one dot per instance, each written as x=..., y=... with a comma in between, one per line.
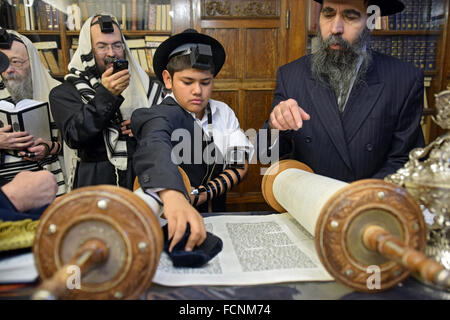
x=336, y=68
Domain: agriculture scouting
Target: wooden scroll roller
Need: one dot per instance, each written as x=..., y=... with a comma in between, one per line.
x=356, y=226
x=105, y=236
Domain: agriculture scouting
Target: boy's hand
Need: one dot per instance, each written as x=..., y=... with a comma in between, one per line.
x=179, y=212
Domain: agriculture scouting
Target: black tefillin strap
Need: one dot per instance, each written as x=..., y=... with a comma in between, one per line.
x=210, y=140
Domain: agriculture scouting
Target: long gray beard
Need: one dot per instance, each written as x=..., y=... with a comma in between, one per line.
x=337, y=68
x=18, y=88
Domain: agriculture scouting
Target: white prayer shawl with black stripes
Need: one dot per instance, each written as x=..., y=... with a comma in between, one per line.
x=139, y=93
x=42, y=84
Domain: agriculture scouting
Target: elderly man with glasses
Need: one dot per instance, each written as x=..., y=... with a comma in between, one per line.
x=26, y=78
x=93, y=106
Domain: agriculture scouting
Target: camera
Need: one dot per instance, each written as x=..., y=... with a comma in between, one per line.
x=120, y=64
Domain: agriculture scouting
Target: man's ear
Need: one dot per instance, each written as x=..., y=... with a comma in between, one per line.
x=167, y=79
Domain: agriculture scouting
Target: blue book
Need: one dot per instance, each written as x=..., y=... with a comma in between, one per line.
x=430, y=55
x=408, y=12
x=416, y=14
x=429, y=5
x=392, y=23
x=422, y=51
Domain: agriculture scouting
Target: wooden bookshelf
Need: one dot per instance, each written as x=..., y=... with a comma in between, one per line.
x=63, y=36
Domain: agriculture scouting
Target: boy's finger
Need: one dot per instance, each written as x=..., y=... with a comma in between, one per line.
x=179, y=232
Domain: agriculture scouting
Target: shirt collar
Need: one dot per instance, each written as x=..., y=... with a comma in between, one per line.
x=211, y=104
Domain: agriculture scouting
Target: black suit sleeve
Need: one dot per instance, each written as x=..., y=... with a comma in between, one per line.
x=152, y=160
x=408, y=134
x=8, y=211
x=81, y=123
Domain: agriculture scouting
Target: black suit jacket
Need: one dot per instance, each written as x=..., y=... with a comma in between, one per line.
x=156, y=164
x=372, y=137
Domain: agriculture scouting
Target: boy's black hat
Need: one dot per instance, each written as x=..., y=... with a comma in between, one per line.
x=387, y=7
x=4, y=62
x=165, y=49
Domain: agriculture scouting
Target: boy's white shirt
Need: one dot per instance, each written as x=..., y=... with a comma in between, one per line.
x=226, y=132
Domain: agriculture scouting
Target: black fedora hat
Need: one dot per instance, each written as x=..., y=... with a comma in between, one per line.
x=161, y=57
x=4, y=62
x=387, y=7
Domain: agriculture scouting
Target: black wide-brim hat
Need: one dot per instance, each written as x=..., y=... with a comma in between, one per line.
x=4, y=62
x=161, y=57
x=387, y=7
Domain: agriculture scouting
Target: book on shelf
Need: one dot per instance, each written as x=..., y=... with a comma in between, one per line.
x=154, y=41
x=419, y=50
x=143, y=59
x=145, y=13
x=27, y=115
x=46, y=51
x=123, y=21
x=50, y=60
x=129, y=15
x=133, y=15
x=418, y=15
x=7, y=15
x=141, y=53
x=35, y=15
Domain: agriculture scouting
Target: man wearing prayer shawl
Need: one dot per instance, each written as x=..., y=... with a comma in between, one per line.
x=26, y=78
x=93, y=106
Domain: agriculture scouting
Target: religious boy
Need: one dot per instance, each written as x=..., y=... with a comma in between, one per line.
x=190, y=130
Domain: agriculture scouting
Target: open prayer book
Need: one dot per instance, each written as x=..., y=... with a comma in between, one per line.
x=27, y=115
x=257, y=249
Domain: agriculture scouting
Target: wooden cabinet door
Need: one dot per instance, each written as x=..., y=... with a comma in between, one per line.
x=258, y=39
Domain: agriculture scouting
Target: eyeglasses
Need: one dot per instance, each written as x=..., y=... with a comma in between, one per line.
x=104, y=48
x=17, y=63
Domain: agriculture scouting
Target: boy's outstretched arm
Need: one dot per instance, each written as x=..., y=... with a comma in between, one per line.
x=178, y=212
